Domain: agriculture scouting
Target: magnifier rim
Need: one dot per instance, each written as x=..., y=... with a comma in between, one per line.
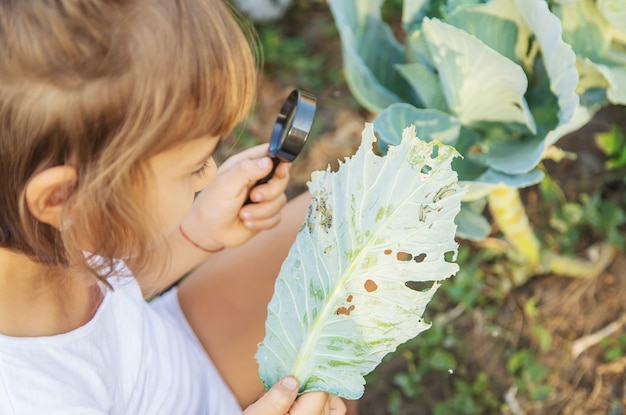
x=293, y=109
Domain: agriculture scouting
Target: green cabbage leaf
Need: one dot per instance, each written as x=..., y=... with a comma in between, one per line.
x=479, y=84
x=378, y=238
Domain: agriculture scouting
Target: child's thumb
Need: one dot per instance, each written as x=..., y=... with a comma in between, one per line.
x=277, y=400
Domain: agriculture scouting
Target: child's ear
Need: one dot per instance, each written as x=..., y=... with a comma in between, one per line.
x=47, y=192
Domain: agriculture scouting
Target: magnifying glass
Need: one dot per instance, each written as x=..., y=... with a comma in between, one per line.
x=291, y=130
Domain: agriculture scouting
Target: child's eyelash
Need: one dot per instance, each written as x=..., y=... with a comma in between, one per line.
x=202, y=170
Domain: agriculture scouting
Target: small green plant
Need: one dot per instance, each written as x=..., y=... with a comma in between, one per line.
x=605, y=217
x=614, y=348
x=613, y=144
x=469, y=398
x=589, y=219
x=541, y=336
x=529, y=375
x=440, y=352
x=294, y=60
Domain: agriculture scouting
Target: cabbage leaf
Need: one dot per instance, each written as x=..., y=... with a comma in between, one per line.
x=479, y=84
x=369, y=72
x=378, y=238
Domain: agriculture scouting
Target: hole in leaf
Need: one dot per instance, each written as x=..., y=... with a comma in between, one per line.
x=419, y=258
x=370, y=286
x=435, y=152
x=404, y=256
x=344, y=311
x=449, y=256
x=420, y=286
x=376, y=146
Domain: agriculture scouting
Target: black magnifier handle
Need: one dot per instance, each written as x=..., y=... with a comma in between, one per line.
x=291, y=130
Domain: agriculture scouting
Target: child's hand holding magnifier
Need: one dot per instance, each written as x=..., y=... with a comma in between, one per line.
x=255, y=178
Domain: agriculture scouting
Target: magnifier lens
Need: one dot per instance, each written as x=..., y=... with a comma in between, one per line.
x=292, y=125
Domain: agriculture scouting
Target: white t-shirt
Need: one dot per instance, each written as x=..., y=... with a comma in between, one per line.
x=133, y=358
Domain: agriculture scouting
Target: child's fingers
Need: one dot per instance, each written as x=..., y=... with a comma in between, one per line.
x=277, y=400
x=236, y=181
x=263, y=224
x=318, y=402
x=261, y=215
x=249, y=154
x=337, y=405
x=282, y=171
x=270, y=190
x=256, y=211
x=311, y=403
x=274, y=187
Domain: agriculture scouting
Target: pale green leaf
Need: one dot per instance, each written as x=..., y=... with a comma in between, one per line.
x=425, y=82
x=589, y=75
x=479, y=84
x=471, y=224
x=452, y=5
x=412, y=12
x=486, y=182
x=585, y=29
x=417, y=50
x=370, y=71
x=580, y=117
x=430, y=124
x=354, y=14
x=519, y=156
x=614, y=11
x=364, y=85
x=558, y=57
x=516, y=156
x=500, y=34
x=506, y=9
x=343, y=298
x=616, y=77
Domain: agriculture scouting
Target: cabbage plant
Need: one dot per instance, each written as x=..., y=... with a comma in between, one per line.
x=596, y=29
x=378, y=238
x=499, y=80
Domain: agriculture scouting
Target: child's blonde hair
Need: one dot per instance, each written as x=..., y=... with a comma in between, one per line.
x=104, y=85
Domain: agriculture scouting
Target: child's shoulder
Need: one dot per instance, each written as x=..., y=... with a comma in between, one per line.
x=80, y=368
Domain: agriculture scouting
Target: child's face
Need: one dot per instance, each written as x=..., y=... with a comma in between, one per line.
x=179, y=173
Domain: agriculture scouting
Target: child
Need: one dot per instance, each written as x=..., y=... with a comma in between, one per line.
x=109, y=114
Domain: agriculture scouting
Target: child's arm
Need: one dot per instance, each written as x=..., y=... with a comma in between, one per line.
x=219, y=219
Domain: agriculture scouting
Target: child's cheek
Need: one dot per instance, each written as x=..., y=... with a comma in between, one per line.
x=173, y=207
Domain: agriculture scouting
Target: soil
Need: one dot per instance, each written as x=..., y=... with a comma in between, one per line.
x=568, y=308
